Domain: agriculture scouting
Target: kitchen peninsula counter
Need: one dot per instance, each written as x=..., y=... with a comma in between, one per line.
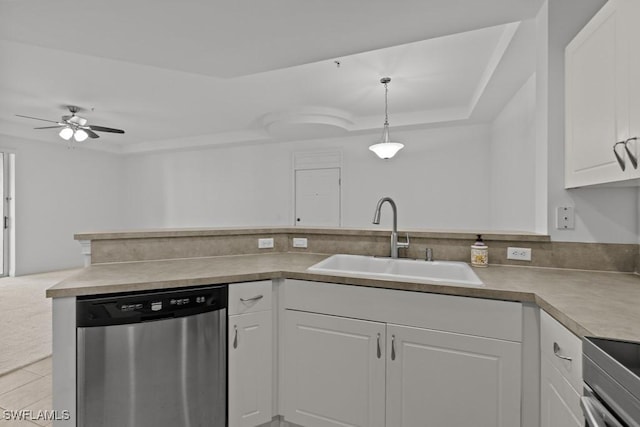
x=589, y=303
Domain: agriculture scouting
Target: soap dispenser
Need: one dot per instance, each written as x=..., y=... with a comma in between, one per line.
x=479, y=253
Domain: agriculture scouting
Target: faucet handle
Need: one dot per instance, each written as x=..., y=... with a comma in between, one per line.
x=404, y=244
x=428, y=254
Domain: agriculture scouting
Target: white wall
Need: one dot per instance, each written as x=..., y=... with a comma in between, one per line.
x=513, y=166
x=438, y=181
x=606, y=215
x=60, y=192
x=214, y=187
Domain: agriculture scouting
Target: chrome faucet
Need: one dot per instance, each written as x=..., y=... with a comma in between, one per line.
x=395, y=245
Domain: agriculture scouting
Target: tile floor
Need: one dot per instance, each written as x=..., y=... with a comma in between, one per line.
x=25, y=318
x=28, y=389
x=25, y=347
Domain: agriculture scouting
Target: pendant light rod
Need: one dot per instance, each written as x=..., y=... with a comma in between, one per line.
x=385, y=81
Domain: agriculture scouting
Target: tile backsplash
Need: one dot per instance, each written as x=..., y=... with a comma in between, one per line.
x=449, y=246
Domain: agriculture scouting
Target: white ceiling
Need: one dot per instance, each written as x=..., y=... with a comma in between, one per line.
x=174, y=74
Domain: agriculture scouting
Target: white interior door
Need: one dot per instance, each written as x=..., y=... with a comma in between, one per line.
x=317, y=194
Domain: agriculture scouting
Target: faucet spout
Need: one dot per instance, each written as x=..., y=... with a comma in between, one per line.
x=394, y=233
x=376, y=215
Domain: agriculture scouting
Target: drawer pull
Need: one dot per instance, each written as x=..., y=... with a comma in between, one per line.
x=256, y=298
x=632, y=158
x=556, y=351
x=235, y=338
x=379, y=352
x=393, y=347
x=619, y=158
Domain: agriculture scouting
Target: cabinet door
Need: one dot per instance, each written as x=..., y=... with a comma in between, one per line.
x=441, y=379
x=631, y=35
x=596, y=100
x=250, y=369
x=334, y=371
x=560, y=406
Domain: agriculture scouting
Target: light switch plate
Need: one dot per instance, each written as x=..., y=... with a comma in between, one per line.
x=565, y=218
x=265, y=243
x=299, y=242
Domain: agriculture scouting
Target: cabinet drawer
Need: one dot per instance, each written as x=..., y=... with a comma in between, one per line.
x=557, y=344
x=471, y=316
x=249, y=297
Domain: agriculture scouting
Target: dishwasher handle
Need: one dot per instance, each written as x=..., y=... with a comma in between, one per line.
x=595, y=413
x=152, y=317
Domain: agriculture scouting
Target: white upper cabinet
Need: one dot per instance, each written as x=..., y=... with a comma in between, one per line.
x=602, y=97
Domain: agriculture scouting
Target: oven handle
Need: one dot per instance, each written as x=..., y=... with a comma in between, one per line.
x=596, y=414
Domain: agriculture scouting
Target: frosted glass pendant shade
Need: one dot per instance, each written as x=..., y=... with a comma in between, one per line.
x=386, y=150
x=80, y=135
x=66, y=133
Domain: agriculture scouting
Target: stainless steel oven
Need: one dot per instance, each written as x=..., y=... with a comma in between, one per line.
x=611, y=372
x=153, y=359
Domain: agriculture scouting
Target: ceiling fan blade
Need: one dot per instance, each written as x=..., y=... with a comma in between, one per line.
x=91, y=133
x=36, y=118
x=49, y=127
x=104, y=129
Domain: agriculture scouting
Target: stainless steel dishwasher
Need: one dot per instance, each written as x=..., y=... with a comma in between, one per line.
x=154, y=359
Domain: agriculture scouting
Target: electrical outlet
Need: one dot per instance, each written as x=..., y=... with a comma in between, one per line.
x=265, y=243
x=299, y=242
x=520, y=254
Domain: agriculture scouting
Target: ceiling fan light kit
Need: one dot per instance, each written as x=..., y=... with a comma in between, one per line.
x=80, y=135
x=75, y=126
x=66, y=133
x=387, y=148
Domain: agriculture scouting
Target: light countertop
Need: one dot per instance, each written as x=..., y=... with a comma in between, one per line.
x=586, y=302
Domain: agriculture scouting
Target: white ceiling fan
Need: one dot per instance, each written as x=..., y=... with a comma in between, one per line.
x=74, y=126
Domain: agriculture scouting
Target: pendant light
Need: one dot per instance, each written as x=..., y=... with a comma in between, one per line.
x=386, y=149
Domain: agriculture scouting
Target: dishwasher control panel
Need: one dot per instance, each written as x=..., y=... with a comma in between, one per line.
x=149, y=306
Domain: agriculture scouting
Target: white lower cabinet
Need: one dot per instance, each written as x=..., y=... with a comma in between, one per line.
x=559, y=402
x=367, y=357
x=348, y=372
x=334, y=371
x=443, y=379
x=561, y=375
x=250, y=349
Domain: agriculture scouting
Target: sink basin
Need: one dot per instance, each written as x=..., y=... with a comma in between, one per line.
x=403, y=270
